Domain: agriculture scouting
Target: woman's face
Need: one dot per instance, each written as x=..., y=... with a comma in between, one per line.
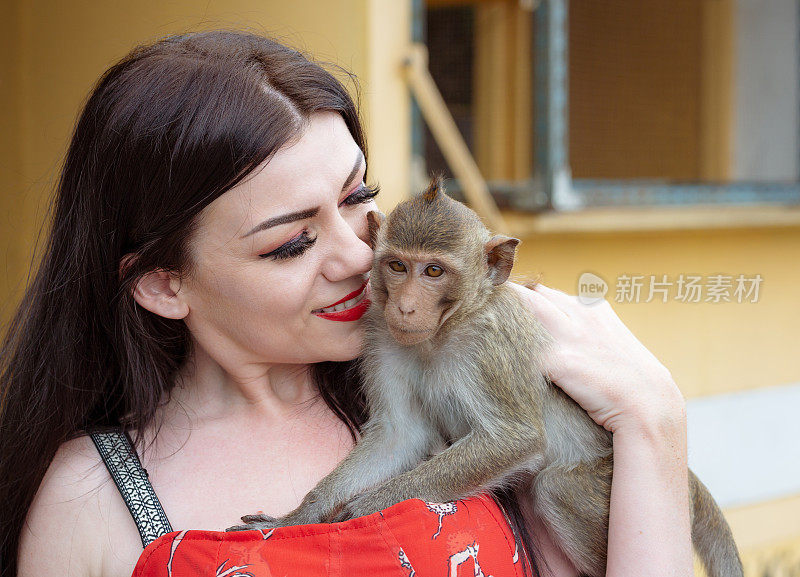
x=278, y=247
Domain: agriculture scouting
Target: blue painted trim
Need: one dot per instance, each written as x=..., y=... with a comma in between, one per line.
x=632, y=192
x=552, y=151
x=743, y=465
x=551, y=92
x=418, y=35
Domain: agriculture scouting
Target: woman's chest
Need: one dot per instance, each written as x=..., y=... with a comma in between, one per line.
x=217, y=482
x=214, y=479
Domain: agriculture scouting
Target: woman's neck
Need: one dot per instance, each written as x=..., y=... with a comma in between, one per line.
x=205, y=390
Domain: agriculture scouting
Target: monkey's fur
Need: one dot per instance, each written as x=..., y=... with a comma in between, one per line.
x=453, y=356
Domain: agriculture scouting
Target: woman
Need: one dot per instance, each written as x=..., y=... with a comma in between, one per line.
x=212, y=203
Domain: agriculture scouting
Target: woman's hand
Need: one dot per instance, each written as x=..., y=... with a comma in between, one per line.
x=598, y=362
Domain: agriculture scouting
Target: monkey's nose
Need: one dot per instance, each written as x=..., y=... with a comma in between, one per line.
x=406, y=310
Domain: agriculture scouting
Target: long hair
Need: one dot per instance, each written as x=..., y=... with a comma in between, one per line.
x=165, y=131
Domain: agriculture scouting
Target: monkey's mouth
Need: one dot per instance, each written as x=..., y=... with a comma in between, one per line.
x=407, y=336
x=409, y=331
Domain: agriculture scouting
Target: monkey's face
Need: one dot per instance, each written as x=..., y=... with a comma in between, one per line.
x=420, y=294
x=433, y=257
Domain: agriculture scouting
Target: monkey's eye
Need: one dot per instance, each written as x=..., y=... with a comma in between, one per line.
x=397, y=266
x=433, y=270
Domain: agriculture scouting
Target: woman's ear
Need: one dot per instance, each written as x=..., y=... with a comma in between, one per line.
x=159, y=292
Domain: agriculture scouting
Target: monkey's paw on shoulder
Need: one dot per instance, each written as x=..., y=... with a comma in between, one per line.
x=310, y=512
x=264, y=522
x=258, y=522
x=361, y=506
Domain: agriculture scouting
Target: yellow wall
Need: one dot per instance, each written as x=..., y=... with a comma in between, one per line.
x=11, y=250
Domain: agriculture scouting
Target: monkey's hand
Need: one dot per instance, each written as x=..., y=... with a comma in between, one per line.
x=364, y=504
x=258, y=521
x=312, y=510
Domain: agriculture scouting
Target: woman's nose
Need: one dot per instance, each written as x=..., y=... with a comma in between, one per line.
x=350, y=255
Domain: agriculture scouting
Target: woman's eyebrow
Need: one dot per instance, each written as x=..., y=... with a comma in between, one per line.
x=283, y=219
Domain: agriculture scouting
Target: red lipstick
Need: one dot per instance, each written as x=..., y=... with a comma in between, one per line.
x=352, y=295
x=354, y=312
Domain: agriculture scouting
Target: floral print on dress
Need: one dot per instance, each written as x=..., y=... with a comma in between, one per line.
x=235, y=571
x=414, y=538
x=173, y=547
x=441, y=509
x=406, y=564
x=458, y=559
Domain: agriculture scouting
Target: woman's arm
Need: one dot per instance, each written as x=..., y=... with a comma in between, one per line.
x=624, y=388
x=60, y=534
x=649, y=530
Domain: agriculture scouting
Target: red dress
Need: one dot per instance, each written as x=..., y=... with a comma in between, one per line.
x=413, y=538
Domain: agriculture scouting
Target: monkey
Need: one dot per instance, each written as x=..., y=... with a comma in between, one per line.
x=453, y=358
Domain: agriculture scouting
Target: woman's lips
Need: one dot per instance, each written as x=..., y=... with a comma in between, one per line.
x=351, y=308
x=352, y=295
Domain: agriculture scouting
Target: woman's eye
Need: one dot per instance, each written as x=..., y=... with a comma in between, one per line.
x=433, y=270
x=397, y=266
x=293, y=248
x=362, y=194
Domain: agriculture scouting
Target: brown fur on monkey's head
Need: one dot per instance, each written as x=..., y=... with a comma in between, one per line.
x=433, y=222
x=435, y=188
x=434, y=260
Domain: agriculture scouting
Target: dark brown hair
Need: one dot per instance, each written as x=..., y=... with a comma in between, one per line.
x=165, y=131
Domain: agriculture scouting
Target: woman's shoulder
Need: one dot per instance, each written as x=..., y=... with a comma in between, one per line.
x=72, y=515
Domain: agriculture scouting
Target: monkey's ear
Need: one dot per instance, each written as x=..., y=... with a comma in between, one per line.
x=500, y=257
x=374, y=221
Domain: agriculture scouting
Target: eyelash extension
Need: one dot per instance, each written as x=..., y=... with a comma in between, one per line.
x=297, y=247
x=362, y=194
x=291, y=249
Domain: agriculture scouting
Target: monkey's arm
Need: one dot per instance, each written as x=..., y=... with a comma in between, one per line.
x=472, y=464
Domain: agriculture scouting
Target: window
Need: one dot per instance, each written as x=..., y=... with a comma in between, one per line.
x=622, y=102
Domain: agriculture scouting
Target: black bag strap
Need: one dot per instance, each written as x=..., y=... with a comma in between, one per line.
x=119, y=456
